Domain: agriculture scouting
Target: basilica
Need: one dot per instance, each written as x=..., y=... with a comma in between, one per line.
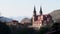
x=41, y=19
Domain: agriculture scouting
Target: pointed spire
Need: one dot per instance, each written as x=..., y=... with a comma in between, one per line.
x=41, y=10
x=34, y=11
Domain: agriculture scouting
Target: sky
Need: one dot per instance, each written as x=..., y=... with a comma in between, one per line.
x=15, y=8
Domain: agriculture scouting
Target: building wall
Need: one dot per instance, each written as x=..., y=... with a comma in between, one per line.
x=42, y=20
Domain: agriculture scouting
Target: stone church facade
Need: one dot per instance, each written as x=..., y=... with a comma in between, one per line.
x=41, y=19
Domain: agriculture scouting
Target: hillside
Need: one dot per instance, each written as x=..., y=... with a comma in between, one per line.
x=56, y=15
x=26, y=20
x=5, y=19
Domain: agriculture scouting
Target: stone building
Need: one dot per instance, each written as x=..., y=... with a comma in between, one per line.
x=41, y=19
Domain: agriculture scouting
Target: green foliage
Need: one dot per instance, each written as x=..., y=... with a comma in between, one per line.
x=4, y=29
x=43, y=30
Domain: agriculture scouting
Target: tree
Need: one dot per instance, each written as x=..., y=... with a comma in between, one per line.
x=4, y=29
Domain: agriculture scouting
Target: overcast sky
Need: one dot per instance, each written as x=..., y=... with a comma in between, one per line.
x=10, y=8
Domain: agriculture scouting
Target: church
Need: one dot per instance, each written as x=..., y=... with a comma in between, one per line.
x=41, y=19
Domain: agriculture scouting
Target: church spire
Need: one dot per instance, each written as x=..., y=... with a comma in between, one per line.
x=34, y=12
x=41, y=10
